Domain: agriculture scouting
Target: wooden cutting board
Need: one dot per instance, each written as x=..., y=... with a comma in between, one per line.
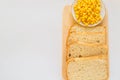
x=67, y=22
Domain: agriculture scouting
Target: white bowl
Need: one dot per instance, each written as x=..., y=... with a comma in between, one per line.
x=103, y=10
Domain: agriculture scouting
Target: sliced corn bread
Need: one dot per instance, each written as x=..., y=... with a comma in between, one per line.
x=78, y=29
x=87, y=38
x=90, y=68
x=76, y=50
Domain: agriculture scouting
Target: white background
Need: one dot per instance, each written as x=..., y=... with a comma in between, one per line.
x=31, y=39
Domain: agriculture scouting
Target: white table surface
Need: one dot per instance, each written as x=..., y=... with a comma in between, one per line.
x=31, y=35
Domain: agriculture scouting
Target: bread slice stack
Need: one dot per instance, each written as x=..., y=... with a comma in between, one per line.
x=85, y=50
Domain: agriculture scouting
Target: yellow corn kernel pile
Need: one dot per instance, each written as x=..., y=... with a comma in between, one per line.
x=87, y=11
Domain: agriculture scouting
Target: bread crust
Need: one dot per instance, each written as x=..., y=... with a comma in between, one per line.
x=87, y=58
x=67, y=23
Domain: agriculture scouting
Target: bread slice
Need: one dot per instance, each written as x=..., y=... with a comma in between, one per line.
x=91, y=68
x=76, y=50
x=87, y=38
x=78, y=29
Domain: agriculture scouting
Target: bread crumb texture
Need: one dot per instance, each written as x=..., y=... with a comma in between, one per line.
x=94, y=35
x=82, y=50
x=87, y=69
x=87, y=38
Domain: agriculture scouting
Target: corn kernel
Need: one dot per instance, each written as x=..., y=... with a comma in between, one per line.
x=87, y=11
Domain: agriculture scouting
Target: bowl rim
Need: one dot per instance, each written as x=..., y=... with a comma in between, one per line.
x=103, y=16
